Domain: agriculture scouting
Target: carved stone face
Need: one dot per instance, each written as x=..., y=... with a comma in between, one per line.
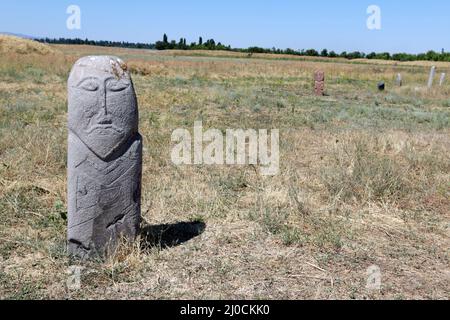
x=102, y=104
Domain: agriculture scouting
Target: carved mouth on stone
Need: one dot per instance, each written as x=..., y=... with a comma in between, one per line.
x=104, y=127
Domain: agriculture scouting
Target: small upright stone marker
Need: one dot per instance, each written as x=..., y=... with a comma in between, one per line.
x=398, y=80
x=319, y=83
x=104, y=157
x=431, y=78
x=442, y=80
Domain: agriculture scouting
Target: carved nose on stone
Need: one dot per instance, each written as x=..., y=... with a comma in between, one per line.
x=103, y=100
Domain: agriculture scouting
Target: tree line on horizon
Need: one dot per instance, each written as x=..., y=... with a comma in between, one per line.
x=101, y=43
x=211, y=44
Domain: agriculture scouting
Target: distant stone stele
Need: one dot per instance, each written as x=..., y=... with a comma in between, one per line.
x=431, y=77
x=399, y=80
x=319, y=83
x=104, y=157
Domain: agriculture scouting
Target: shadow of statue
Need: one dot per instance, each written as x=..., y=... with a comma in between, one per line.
x=170, y=235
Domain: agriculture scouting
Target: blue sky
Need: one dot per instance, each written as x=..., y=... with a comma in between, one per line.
x=407, y=26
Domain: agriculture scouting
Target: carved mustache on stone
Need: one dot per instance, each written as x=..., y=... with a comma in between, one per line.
x=104, y=126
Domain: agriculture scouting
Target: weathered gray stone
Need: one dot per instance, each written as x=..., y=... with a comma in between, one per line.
x=431, y=78
x=398, y=80
x=104, y=157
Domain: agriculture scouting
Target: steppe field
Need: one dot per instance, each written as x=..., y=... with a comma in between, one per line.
x=364, y=180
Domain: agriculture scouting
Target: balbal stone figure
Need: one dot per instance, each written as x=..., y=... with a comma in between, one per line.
x=319, y=83
x=104, y=157
x=398, y=80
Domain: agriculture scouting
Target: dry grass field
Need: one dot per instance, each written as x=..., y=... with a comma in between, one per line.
x=364, y=180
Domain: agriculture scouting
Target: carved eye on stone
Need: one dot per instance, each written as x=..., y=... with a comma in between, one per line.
x=89, y=84
x=116, y=86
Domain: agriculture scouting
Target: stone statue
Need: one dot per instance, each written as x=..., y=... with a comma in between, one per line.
x=431, y=77
x=104, y=157
x=319, y=83
x=399, y=80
